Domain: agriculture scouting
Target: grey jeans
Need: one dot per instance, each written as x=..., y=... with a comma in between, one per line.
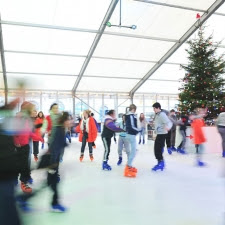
x=222, y=133
x=173, y=137
x=123, y=142
x=182, y=144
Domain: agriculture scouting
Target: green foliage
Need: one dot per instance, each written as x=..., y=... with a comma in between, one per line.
x=203, y=83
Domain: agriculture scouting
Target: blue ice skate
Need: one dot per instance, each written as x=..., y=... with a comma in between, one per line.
x=119, y=161
x=159, y=166
x=106, y=166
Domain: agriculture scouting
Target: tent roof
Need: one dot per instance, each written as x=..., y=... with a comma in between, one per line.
x=65, y=45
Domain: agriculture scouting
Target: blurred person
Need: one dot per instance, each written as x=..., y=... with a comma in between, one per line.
x=38, y=123
x=52, y=120
x=221, y=129
x=132, y=130
x=51, y=163
x=92, y=115
x=173, y=119
x=109, y=129
x=9, y=167
x=56, y=150
x=183, y=127
x=199, y=137
x=168, y=135
x=44, y=122
x=21, y=142
x=88, y=133
x=123, y=141
x=162, y=126
x=68, y=130
x=142, y=123
x=33, y=115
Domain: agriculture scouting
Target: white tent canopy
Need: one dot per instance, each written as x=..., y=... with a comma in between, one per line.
x=65, y=45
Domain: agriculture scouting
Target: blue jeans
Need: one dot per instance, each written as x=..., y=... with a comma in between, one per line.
x=142, y=133
x=123, y=142
x=132, y=140
x=8, y=211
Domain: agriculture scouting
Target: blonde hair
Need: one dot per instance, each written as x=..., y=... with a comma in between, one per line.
x=87, y=111
x=131, y=107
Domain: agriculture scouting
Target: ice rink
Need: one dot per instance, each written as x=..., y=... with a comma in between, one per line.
x=183, y=194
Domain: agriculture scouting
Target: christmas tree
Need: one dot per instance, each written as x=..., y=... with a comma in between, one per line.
x=203, y=83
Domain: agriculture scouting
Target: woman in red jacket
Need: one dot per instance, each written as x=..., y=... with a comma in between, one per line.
x=199, y=137
x=88, y=133
x=38, y=124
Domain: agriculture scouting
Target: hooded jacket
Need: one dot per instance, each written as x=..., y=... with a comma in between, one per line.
x=110, y=128
x=91, y=129
x=131, y=124
x=162, y=121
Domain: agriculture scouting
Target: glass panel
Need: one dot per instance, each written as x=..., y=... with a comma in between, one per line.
x=109, y=102
x=153, y=20
x=48, y=99
x=2, y=84
x=173, y=103
x=95, y=102
x=80, y=104
x=34, y=99
x=117, y=68
x=42, y=82
x=0, y=63
x=46, y=40
x=132, y=48
x=71, y=13
x=164, y=103
x=66, y=102
x=150, y=100
x=139, y=102
x=43, y=63
x=2, y=98
x=106, y=85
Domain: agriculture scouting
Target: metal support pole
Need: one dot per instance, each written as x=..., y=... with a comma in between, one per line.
x=3, y=64
x=144, y=104
x=57, y=97
x=88, y=98
x=74, y=110
x=168, y=102
x=103, y=109
x=41, y=101
x=116, y=104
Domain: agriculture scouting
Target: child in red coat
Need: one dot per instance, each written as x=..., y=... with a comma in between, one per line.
x=199, y=137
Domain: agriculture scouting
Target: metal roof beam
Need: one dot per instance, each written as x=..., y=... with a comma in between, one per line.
x=84, y=56
x=95, y=42
x=85, y=92
x=86, y=30
x=193, y=28
x=91, y=76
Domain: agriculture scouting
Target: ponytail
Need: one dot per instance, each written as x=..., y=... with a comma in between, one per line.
x=131, y=107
